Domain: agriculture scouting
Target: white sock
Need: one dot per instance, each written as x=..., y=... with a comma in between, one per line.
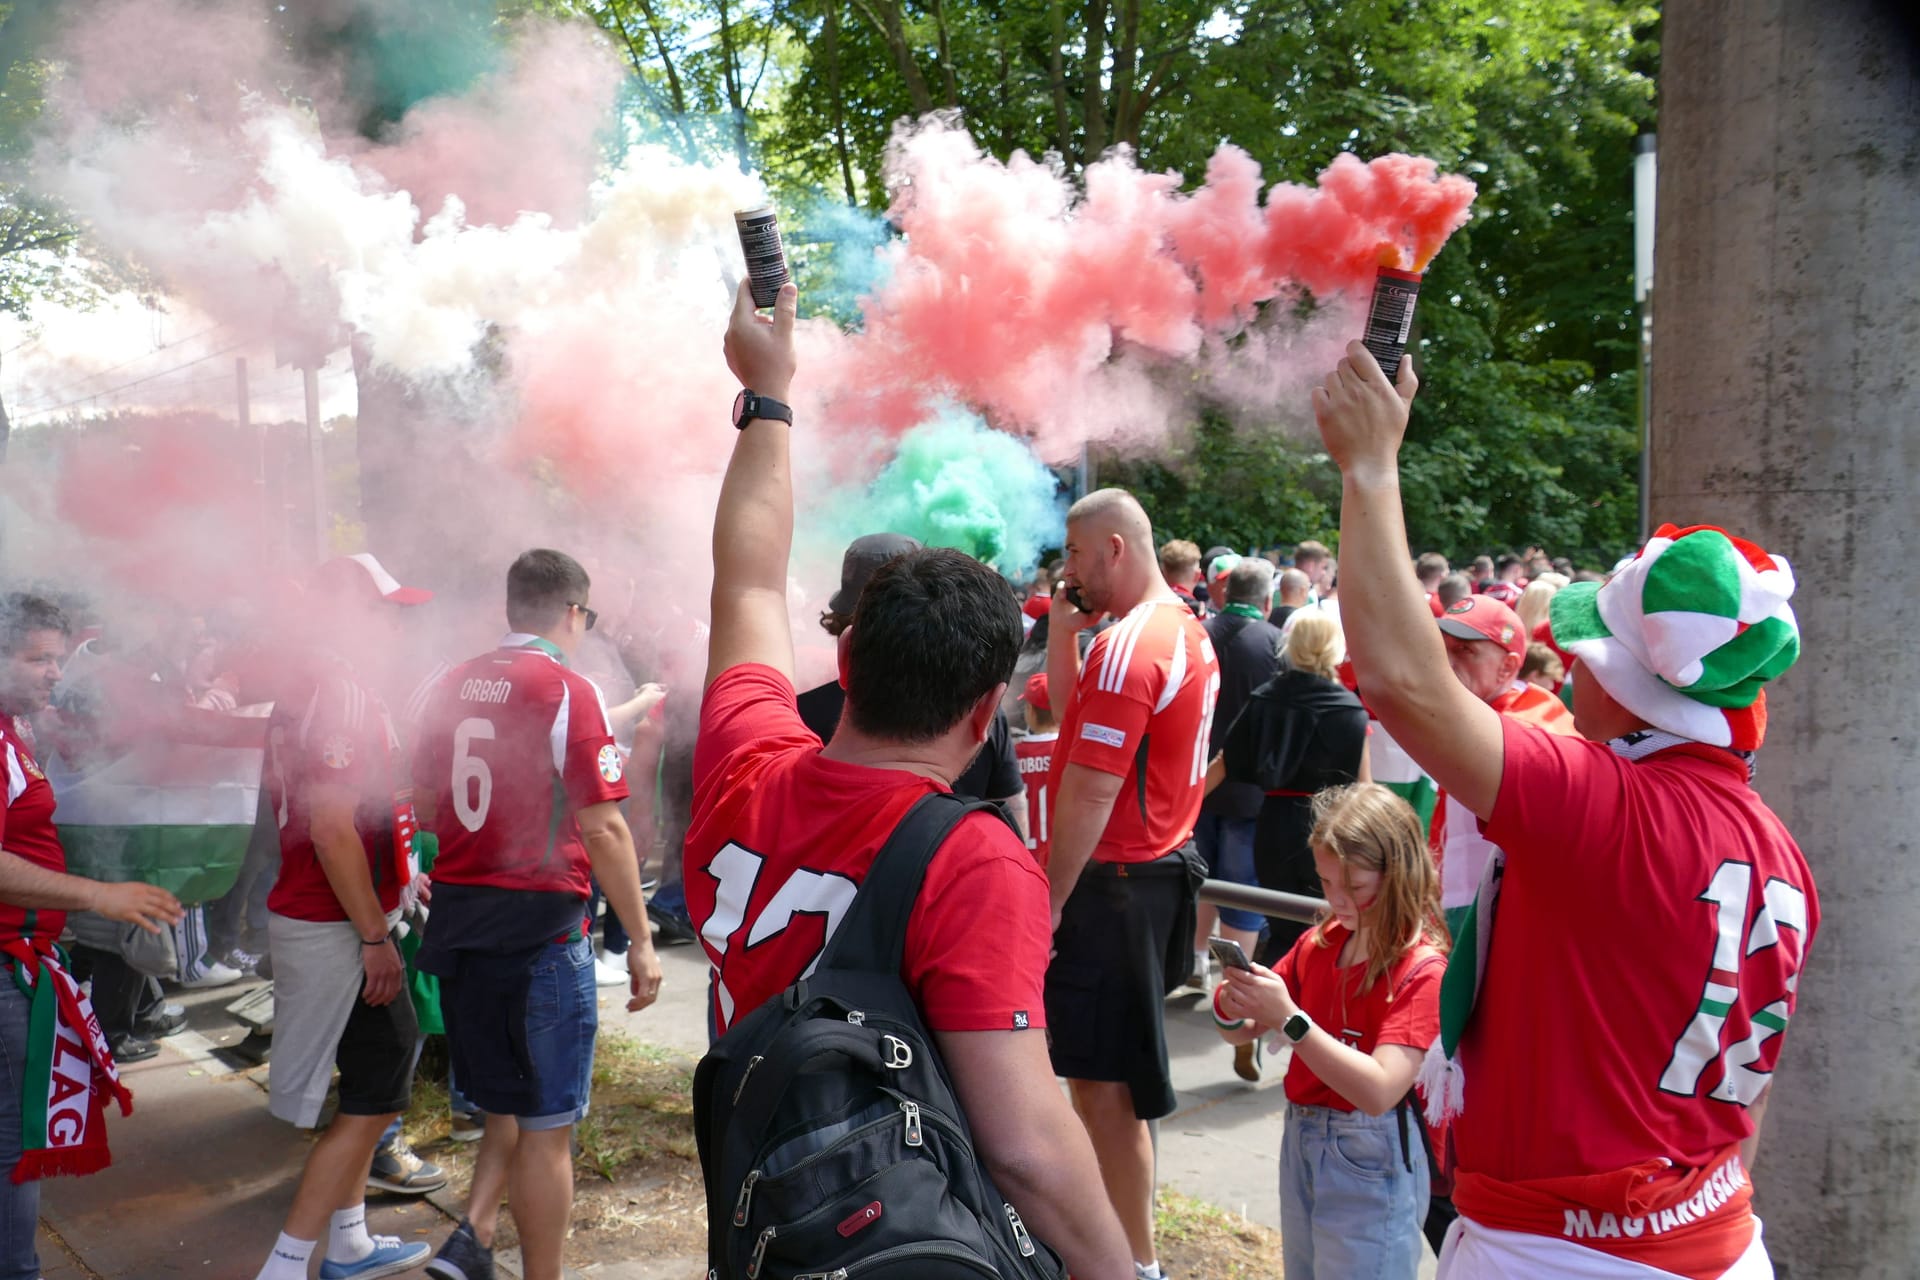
x=1148, y=1270
x=347, y=1238
x=288, y=1261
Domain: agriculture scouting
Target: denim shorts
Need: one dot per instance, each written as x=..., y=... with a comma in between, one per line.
x=1227, y=845
x=562, y=1016
x=1349, y=1207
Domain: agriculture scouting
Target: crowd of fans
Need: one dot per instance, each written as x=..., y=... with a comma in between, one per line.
x=1409, y=744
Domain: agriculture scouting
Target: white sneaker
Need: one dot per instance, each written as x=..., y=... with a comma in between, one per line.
x=213, y=975
x=610, y=971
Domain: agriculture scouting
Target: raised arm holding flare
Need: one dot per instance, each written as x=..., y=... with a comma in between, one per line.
x=1607, y=1139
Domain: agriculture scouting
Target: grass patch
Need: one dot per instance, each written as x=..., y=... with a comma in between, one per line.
x=642, y=1109
x=1199, y=1239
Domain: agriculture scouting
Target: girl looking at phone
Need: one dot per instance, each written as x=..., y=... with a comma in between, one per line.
x=1358, y=997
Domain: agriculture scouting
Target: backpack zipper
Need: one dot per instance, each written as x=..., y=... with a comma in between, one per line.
x=746, y=1195
x=760, y=1251
x=914, y=1137
x=1020, y=1235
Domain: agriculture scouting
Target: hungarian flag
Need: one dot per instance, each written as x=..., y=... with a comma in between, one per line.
x=1394, y=769
x=177, y=814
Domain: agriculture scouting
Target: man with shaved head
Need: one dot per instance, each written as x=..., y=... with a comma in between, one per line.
x=1126, y=780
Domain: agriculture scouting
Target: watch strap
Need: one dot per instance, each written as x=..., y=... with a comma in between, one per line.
x=753, y=406
x=1295, y=1028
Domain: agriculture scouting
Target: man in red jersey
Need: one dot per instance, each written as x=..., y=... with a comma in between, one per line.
x=1127, y=779
x=1035, y=754
x=784, y=830
x=338, y=789
x=35, y=895
x=516, y=772
x=1597, y=1137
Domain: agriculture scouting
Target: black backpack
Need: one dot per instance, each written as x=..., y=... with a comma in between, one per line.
x=830, y=1135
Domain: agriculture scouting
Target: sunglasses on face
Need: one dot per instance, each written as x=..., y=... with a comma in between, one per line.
x=592, y=617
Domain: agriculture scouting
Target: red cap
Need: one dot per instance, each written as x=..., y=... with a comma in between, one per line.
x=363, y=573
x=1036, y=693
x=1484, y=618
x=1037, y=605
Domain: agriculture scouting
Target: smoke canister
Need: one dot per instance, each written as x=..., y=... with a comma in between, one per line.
x=766, y=256
x=1390, y=317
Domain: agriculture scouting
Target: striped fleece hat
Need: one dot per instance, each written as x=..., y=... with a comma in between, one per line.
x=1686, y=633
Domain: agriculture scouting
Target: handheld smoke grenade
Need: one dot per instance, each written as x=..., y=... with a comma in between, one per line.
x=1390, y=317
x=766, y=256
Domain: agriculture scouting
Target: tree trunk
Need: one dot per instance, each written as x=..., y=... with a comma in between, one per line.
x=730, y=72
x=1057, y=63
x=1126, y=50
x=946, y=53
x=830, y=54
x=1093, y=104
x=886, y=20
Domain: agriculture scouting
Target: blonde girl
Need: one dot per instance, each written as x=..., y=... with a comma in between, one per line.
x=1358, y=997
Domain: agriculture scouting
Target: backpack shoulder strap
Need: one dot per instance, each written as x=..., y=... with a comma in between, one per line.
x=873, y=936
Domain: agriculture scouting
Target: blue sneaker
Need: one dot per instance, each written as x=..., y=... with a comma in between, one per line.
x=390, y=1257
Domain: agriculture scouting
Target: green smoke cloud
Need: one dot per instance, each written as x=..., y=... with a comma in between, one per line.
x=955, y=482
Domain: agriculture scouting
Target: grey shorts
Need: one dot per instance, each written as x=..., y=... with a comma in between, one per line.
x=319, y=1021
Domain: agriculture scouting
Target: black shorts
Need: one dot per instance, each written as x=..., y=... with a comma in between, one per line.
x=376, y=1057
x=1107, y=984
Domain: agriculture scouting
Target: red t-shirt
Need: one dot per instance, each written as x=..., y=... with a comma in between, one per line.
x=337, y=735
x=26, y=831
x=1402, y=1006
x=1034, y=753
x=781, y=838
x=1652, y=925
x=513, y=744
x=1142, y=709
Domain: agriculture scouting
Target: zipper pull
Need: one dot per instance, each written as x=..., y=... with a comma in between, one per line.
x=912, y=1110
x=857, y=1017
x=1020, y=1235
x=760, y=1253
x=746, y=1194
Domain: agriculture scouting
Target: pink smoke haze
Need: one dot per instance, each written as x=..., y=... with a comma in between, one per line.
x=551, y=326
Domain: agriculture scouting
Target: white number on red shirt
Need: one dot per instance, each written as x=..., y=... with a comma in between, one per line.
x=1781, y=906
x=471, y=770
x=804, y=893
x=1206, y=730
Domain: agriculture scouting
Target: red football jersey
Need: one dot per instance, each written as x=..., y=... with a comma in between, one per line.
x=1035, y=756
x=1143, y=709
x=26, y=831
x=781, y=838
x=1402, y=1007
x=338, y=734
x=1652, y=925
x=513, y=744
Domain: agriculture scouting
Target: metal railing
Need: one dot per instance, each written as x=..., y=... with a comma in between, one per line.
x=1267, y=902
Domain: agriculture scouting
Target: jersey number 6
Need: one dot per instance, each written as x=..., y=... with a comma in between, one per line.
x=471, y=772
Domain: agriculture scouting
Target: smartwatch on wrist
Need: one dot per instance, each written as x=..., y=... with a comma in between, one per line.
x=749, y=405
x=1296, y=1027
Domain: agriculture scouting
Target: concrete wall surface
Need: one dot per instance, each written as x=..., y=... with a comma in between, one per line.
x=1786, y=407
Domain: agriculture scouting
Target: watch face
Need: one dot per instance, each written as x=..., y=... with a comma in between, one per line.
x=740, y=407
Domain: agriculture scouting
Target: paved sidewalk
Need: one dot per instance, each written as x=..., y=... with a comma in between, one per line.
x=202, y=1176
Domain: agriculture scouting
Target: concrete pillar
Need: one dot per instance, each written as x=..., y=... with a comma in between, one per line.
x=1786, y=406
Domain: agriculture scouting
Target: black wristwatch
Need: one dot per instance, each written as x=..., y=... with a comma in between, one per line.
x=1296, y=1027
x=749, y=405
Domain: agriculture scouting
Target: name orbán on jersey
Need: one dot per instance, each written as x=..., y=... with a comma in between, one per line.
x=514, y=743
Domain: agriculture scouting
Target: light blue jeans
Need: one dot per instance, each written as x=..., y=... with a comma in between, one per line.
x=1349, y=1207
x=19, y=1204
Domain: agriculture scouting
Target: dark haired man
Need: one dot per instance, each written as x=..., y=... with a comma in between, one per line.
x=1127, y=784
x=35, y=895
x=784, y=829
x=517, y=774
x=995, y=772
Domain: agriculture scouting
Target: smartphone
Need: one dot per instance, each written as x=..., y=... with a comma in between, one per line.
x=1228, y=953
x=1075, y=599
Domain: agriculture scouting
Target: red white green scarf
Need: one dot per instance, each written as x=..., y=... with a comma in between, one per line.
x=69, y=1070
